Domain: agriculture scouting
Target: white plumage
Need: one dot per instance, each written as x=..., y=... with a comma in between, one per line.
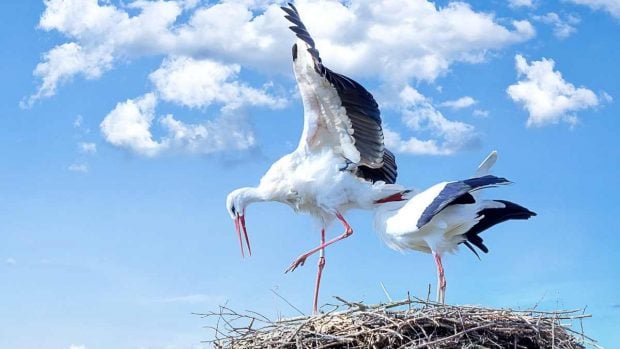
x=445, y=215
x=340, y=162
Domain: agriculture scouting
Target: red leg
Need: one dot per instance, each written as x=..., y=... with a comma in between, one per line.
x=321, y=264
x=302, y=259
x=441, y=279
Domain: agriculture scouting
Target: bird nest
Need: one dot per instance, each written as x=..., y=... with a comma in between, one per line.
x=412, y=323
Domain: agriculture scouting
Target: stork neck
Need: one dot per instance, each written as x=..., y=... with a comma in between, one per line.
x=255, y=194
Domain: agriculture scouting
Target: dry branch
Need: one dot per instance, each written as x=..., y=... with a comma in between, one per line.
x=411, y=323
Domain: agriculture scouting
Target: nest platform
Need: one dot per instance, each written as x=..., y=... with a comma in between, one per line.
x=411, y=323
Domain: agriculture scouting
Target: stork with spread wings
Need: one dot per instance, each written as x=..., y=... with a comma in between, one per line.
x=341, y=161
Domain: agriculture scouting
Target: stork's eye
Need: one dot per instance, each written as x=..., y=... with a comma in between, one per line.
x=232, y=209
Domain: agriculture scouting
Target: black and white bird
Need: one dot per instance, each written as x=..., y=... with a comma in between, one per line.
x=340, y=162
x=445, y=215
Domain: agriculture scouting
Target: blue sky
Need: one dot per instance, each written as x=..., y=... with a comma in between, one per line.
x=125, y=124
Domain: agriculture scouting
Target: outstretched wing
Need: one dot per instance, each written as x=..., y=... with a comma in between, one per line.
x=338, y=111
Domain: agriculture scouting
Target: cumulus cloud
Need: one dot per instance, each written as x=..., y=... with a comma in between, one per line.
x=481, y=113
x=194, y=83
x=408, y=39
x=199, y=83
x=78, y=167
x=463, y=102
x=546, y=96
x=73, y=346
x=229, y=132
x=87, y=147
x=521, y=3
x=445, y=136
x=562, y=28
x=103, y=34
x=610, y=6
x=84, y=148
x=129, y=126
x=78, y=122
x=204, y=45
x=63, y=62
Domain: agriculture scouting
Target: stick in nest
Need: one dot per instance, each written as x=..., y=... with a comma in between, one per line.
x=410, y=323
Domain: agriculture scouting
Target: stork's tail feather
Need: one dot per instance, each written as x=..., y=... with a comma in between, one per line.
x=491, y=217
x=485, y=166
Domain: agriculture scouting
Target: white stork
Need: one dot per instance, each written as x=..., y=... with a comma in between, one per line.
x=340, y=162
x=445, y=215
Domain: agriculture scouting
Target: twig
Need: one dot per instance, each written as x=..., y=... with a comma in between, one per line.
x=410, y=323
x=287, y=302
x=386, y=292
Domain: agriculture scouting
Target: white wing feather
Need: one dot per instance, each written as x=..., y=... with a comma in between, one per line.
x=326, y=123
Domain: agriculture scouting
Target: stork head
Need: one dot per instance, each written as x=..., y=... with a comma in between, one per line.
x=236, y=202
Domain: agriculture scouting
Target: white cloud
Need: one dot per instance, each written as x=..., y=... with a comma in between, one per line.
x=129, y=126
x=545, y=94
x=192, y=83
x=231, y=31
x=463, y=102
x=79, y=120
x=63, y=62
x=199, y=83
x=610, y=6
x=562, y=28
x=83, y=148
x=481, y=113
x=73, y=346
x=445, y=136
x=103, y=34
x=411, y=40
x=521, y=3
x=78, y=167
x=204, y=45
x=87, y=147
x=227, y=133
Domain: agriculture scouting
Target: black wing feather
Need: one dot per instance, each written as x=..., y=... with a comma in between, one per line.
x=294, y=20
x=386, y=173
x=493, y=216
x=453, y=191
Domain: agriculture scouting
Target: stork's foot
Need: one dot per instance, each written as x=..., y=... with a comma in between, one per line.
x=302, y=259
x=297, y=263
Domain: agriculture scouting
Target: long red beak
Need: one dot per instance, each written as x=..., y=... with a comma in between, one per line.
x=239, y=225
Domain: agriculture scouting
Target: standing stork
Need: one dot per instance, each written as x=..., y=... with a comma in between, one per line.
x=445, y=215
x=340, y=162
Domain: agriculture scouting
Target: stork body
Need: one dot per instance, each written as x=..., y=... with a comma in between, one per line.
x=445, y=215
x=340, y=162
